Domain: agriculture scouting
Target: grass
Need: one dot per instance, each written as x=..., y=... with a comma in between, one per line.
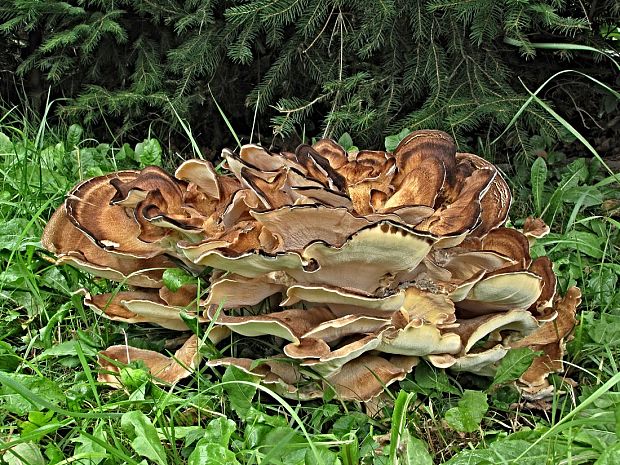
x=53, y=411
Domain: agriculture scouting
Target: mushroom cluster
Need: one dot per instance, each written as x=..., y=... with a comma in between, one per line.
x=379, y=258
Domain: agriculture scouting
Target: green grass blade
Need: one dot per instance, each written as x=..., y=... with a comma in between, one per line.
x=38, y=401
x=541, y=87
x=230, y=128
x=399, y=423
x=575, y=133
x=562, y=46
x=557, y=427
x=87, y=371
x=109, y=448
x=188, y=132
x=286, y=407
x=36, y=434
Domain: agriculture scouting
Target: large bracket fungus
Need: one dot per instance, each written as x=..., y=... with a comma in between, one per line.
x=378, y=259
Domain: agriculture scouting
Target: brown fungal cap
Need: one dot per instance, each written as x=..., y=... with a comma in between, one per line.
x=164, y=369
x=288, y=324
x=473, y=330
x=509, y=243
x=495, y=202
x=367, y=376
x=144, y=306
x=335, y=329
x=558, y=329
x=233, y=291
x=426, y=144
x=332, y=152
x=535, y=228
x=425, y=339
x=333, y=225
x=463, y=215
x=250, y=264
x=152, y=178
x=317, y=167
x=339, y=296
x=463, y=264
x=369, y=256
x=517, y=290
x=71, y=246
x=543, y=267
x=420, y=186
x=111, y=228
x=427, y=307
x=202, y=174
x=386, y=257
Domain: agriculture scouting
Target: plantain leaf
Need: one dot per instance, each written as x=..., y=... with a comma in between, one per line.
x=538, y=178
x=143, y=435
x=469, y=412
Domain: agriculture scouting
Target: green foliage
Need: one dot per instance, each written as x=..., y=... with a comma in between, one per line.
x=53, y=410
x=538, y=178
x=346, y=142
x=430, y=381
x=25, y=453
x=369, y=68
x=514, y=365
x=148, y=153
x=12, y=402
x=583, y=246
x=469, y=412
x=144, y=439
x=405, y=448
x=511, y=452
x=241, y=393
x=391, y=142
x=175, y=278
x=213, y=448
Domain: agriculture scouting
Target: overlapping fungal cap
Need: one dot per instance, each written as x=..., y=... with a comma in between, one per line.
x=358, y=264
x=162, y=368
